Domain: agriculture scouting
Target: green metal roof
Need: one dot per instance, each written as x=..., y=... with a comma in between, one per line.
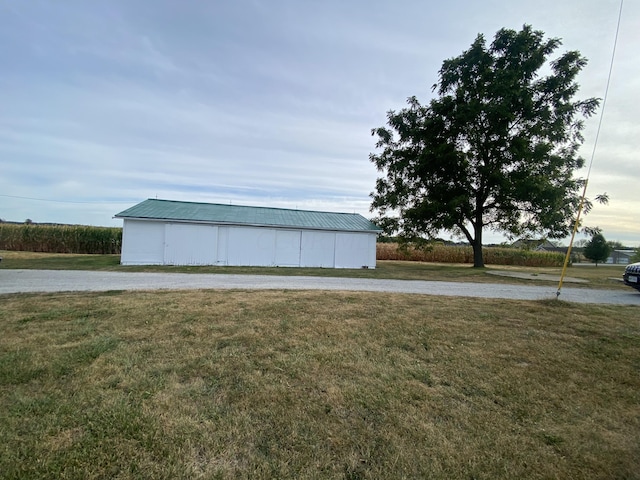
x=154, y=209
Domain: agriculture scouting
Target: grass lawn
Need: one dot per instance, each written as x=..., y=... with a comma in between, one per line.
x=608, y=276
x=271, y=384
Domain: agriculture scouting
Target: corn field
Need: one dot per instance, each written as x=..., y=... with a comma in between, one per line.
x=60, y=238
x=459, y=254
x=108, y=240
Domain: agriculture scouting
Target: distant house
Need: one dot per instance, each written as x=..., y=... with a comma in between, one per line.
x=539, y=245
x=620, y=257
x=166, y=232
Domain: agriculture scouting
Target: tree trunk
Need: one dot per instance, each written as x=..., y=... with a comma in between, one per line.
x=478, y=261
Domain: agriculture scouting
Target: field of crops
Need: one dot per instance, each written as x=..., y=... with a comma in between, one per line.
x=60, y=238
x=108, y=240
x=461, y=254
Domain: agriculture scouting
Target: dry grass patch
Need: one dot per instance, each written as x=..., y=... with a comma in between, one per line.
x=242, y=384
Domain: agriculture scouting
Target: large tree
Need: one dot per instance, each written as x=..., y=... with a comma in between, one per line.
x=496, y=149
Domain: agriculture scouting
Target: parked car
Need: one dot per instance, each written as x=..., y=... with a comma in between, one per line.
x=631, y=275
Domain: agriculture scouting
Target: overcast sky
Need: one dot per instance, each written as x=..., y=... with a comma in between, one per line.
x=106, y=103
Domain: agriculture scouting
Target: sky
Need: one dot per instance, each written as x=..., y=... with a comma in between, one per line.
x=269, y=103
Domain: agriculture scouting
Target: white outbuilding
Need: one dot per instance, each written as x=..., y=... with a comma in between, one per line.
x=166, y=232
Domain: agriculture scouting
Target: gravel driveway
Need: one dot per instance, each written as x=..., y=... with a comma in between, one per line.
x=17, y=281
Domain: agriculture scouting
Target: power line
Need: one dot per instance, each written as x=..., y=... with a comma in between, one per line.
x=593, y=153
x=606, y=91
x=65, y=201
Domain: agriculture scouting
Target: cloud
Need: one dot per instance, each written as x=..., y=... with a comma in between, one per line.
x=264, y=103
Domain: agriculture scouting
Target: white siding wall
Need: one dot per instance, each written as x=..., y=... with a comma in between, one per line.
x=223, y=241
x=254, y=246
x=318, y=249
x=142, y=243
x=287, y=251
x=190, y=244
x=353, y=250
x=156, y=243
x=251, y=246
x=373, y=239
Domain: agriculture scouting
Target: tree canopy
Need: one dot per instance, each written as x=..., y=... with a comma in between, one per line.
x=496, y=149
x=597, y=249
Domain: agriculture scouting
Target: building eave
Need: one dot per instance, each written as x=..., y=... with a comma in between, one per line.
x=242, y=224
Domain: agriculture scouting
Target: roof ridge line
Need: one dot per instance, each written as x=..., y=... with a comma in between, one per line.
x=253, y=206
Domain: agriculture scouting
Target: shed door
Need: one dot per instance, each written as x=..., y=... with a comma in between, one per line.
x=318, y=249
x=251, y=246
x=353, y=250
x=142, y=243
x=287, y=252
x=189, y=244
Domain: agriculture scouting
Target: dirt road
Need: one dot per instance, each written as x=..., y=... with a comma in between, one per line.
x=17, y=281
